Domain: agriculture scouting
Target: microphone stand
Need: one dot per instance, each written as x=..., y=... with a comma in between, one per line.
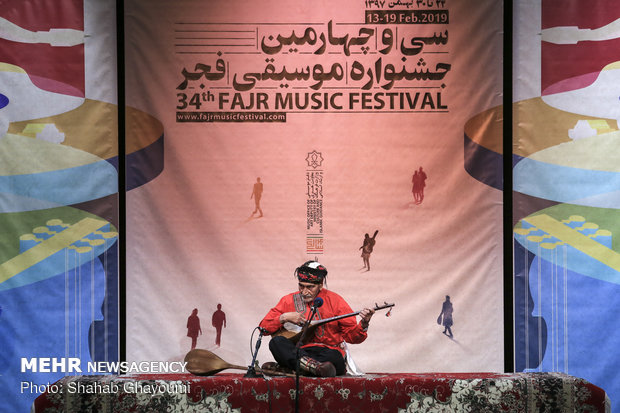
x=251, y=370
x=304, y=329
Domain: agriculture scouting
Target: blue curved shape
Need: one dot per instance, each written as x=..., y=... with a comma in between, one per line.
x=146, y=164
x=483, y=164
x=65, y=186
x=562, y=183
x=15, y=203
x=4, y=101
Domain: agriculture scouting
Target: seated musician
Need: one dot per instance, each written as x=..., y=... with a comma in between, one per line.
x=322, y=354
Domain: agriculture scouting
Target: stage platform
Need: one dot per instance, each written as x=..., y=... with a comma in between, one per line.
x=226, y=393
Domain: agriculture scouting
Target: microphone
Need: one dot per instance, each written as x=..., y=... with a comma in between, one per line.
x=317, y=303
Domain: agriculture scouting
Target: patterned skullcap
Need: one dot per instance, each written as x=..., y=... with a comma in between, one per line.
x=311, y=272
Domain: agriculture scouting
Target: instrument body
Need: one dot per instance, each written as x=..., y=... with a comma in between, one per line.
x=202, y=362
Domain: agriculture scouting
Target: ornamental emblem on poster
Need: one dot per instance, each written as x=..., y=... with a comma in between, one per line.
x=314, y=159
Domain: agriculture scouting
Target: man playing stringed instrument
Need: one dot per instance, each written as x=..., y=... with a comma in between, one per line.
x=321, y=353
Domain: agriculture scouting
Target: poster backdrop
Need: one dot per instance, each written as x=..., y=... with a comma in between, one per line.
x=566, y=183
x=58, y=192
x=296, y=130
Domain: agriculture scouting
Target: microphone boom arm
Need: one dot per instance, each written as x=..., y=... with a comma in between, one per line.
x=315, y=306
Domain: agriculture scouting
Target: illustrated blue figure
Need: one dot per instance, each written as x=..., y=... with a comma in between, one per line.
x=67, y=314
x=446, y=315
x=66, y=308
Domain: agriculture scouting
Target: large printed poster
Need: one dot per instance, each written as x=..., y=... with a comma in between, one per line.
x=58, y=193
x=362, y=134
x=567, y=266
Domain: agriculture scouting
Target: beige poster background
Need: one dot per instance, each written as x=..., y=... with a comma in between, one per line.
x=192, y=239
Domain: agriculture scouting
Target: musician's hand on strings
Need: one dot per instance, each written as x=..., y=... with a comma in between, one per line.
x=366, y=315
x=292, y=317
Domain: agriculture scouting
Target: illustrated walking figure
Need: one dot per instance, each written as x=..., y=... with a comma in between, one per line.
x=446, y=314
x=193, y=327
x=367, y=247
x=257, y=193
x=418, y=181
x=218, y=321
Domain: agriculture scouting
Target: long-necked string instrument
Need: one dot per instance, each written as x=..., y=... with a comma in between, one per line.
x=205, y=363
x=293, y=331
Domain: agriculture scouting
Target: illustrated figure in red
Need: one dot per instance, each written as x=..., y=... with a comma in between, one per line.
x=193, y=327
x=418, y=181
x=257, y=193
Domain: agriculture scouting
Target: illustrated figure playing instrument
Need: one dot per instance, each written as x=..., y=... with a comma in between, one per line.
x=367, y=248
